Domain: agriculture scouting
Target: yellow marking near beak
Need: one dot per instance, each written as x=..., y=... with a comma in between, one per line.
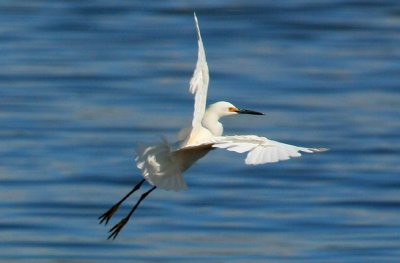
x=233, y=109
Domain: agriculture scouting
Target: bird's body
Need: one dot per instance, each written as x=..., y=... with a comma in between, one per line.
x=163, y=167
x=209, y=127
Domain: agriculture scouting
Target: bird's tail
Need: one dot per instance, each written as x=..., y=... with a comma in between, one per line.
x=159, y=167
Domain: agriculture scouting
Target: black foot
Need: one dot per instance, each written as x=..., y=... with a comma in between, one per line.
x=108, y=214
x=117, y=228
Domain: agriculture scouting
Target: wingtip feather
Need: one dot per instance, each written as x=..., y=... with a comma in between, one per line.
x=319, y=150
x=196, y=23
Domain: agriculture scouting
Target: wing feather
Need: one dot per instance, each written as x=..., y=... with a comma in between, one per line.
x=260, y=149
x=199, y=82
x=159, y=167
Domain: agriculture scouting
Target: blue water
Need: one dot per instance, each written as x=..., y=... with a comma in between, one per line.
x=81, y=82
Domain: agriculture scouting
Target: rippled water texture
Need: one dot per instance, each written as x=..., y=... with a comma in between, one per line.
x=81, y=82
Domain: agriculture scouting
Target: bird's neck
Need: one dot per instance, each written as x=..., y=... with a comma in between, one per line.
x=211, y=122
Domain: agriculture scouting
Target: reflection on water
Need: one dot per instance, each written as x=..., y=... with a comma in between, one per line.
x=82, y=82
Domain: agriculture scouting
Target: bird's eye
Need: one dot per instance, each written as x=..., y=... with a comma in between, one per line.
x=232, y=109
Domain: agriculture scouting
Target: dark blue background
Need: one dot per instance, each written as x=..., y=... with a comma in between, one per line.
x=82, y=81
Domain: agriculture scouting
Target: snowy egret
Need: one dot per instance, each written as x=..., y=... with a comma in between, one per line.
x=162, y=166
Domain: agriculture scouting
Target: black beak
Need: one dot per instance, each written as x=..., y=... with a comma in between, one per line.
x=243, y=111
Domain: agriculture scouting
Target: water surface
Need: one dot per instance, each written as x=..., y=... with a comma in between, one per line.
x=81, y=82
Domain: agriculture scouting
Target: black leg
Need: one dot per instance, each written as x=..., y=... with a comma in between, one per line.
x=118, y=227
x=110, y=212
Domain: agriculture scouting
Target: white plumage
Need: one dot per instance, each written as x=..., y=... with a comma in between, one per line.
x=159, y=167
x=260, y=149
x=199, y=82
x=163, y=167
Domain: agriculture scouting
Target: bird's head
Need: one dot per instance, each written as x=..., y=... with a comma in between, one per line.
x=223, y=108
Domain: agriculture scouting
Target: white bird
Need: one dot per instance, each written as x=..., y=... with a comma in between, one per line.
x=162, y=166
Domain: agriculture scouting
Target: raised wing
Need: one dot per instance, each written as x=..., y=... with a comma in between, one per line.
x=199, y=81
x=260, y=149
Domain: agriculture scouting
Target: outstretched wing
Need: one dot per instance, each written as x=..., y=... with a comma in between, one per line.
x=199, y=81
x=260, y=149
